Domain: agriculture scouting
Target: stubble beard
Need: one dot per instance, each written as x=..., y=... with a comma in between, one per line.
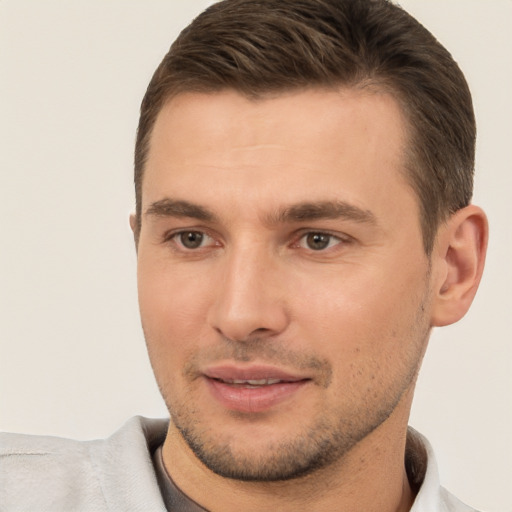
x=328, y=438
x=314, y=449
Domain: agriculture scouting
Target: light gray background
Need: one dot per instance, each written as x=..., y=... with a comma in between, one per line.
x=72, y=356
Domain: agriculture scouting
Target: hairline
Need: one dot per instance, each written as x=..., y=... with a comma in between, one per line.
x=369, y=85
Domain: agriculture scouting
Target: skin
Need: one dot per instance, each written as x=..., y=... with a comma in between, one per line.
x=258, y=180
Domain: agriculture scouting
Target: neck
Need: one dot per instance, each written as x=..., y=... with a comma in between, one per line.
x=370, y=478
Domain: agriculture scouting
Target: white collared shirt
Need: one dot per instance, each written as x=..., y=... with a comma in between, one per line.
x=42, y=473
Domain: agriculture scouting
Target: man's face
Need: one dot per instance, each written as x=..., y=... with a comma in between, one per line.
x=283, y=285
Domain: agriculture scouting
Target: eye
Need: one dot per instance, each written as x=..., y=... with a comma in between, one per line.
x=318, y=241
x=192, y=239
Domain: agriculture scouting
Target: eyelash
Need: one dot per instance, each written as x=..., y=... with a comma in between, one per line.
x=321, y=234
x=174, y=238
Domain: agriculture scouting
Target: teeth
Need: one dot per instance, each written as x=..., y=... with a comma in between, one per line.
x=253, y=382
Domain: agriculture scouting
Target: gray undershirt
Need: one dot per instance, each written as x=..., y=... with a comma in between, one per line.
x=174, y=499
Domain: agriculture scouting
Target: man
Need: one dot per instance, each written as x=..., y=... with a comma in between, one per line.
x=303, y=175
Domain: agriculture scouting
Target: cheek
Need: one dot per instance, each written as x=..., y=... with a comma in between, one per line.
x=375, y=345
x=361, y=315
x=173, y=311
x=170, y=296
x=169, y=324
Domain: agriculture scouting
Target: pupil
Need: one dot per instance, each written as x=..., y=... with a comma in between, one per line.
x=317, y=241
x=191, y=239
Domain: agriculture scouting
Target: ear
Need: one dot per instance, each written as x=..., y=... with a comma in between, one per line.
x=458, y=264
x=133, y=222
x=135, y=229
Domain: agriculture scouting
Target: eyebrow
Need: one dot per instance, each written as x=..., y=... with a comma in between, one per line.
x=300, y=212
x=311, y=211
x=176, y=208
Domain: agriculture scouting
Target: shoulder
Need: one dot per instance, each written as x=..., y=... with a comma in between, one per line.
x=50, y=473
x=431, y=495
x=42, y=472
x=452, y=503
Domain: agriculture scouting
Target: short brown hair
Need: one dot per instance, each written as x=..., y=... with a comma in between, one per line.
x=258, y=47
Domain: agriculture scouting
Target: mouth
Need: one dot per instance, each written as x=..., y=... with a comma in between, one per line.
x=254, y=389
x=251, y=383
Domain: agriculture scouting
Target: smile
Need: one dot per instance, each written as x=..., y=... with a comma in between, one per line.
x=251, y=383
x=252, y=389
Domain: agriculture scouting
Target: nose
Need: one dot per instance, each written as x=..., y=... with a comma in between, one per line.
x=250, y=300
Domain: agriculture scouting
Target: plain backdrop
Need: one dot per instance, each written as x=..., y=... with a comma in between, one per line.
x=72, y=355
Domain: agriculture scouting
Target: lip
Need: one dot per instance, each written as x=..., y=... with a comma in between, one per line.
x=253, y=372
x=244, y=397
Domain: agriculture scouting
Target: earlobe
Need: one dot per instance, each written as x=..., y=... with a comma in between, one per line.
x=459, y=258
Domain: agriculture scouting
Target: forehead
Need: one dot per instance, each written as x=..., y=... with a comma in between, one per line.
x=337, y=142
x=302, y=113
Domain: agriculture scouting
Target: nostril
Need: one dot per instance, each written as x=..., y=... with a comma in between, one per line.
x=261, y=330
x=252, y=336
